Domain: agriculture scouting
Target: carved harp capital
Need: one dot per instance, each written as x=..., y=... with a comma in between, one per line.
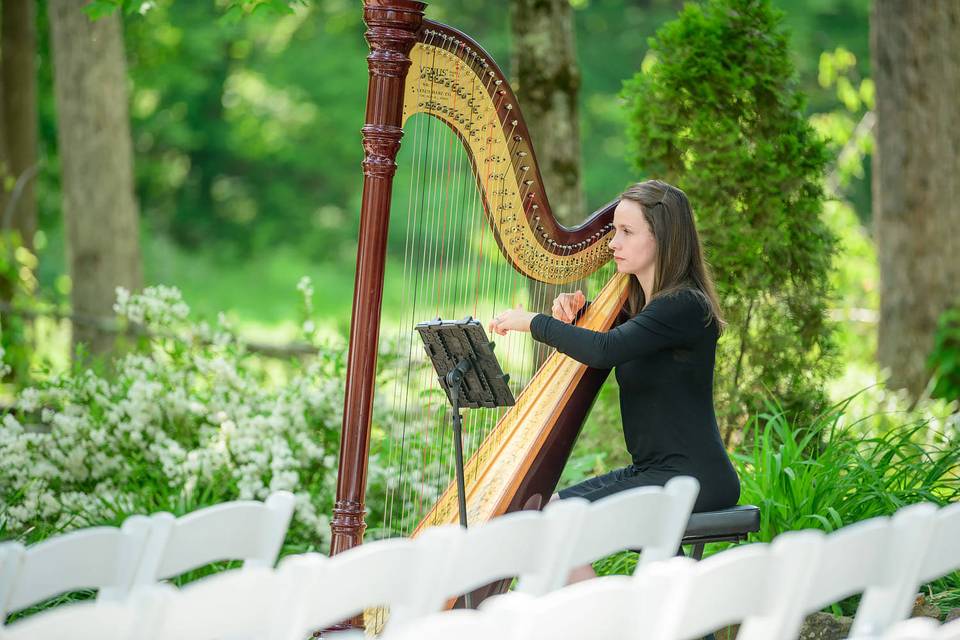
x=380, y=145
x=391, y=32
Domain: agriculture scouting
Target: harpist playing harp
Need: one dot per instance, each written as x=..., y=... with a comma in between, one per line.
x=456, y=221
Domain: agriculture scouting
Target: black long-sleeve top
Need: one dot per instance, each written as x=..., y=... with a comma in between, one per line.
x=664, y=359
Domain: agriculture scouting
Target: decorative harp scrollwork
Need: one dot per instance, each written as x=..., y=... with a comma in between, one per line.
x=477, y=229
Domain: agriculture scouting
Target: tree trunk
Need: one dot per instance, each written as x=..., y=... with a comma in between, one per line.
x=19, y=113
x=93, y=135
x=916, y=178
x=546, y=81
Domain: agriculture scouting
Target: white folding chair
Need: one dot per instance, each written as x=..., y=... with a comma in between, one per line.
x=879, y=558
x=890, y=589
x=851, y=559
x=923, y=629
x=943, y=556
x=398, y=574
x=228, y=605
x=242, y=530
x=462, y=624
x=533, y=546
x=11, y=556
x=91, y=619
x=614, y=607
x=103, y=558
x=755, y=585
x=649, y=518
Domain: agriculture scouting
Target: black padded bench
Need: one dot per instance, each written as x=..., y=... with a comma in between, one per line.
x=726, y=525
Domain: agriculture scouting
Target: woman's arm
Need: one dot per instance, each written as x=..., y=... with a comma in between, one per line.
x=664, y=323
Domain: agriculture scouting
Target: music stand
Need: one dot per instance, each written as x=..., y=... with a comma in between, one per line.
x=469, y=373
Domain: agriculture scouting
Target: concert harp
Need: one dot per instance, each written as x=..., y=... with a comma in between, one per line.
x=476, y=231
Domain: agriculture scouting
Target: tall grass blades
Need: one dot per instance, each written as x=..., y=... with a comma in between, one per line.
x=832, y=473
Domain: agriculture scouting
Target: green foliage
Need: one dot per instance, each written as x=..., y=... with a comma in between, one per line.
x=827, y=474
x=838, y=470
x=944, y=360
x=232, y=9
x=17, y=287
x=184, y=419
x=715, y=111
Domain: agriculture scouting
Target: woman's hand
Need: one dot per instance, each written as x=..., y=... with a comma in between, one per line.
x=566, y=306
x=511, y=320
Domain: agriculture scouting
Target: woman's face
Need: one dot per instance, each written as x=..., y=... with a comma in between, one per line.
x=633, y=245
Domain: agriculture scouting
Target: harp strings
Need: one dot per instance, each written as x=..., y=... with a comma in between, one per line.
x=445, y=262
x=450, y=267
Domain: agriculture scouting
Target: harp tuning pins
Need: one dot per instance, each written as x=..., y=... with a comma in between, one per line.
x=514, y=123
x=524, y=168
x=517, y=138
x=537, y=218
x=535, y=207
x=528, y=182
x=498, y=82
x=509, y=107
x=522, y=154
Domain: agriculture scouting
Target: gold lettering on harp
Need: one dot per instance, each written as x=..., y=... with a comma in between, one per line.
x=448, y=88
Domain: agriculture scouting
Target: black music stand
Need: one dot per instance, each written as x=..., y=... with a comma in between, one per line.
x=469, y=373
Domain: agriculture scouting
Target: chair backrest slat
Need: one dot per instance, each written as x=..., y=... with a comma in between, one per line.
x=242, y=530
x=102, y=558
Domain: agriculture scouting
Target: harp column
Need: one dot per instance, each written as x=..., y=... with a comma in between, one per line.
x=392, y=27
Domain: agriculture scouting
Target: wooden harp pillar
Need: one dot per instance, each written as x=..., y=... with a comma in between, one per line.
x=391, y=33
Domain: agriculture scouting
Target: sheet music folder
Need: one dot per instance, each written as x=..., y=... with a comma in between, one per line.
x=448, y=343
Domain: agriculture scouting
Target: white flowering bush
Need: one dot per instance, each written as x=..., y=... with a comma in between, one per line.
x=184, y=419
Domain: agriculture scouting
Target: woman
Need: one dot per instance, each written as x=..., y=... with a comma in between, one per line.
x=663, y=354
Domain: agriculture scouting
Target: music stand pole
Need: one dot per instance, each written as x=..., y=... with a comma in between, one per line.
x=454, y=380
x=471, y=376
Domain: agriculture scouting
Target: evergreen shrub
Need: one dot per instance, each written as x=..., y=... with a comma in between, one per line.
x=715, y=111
x=944, y=360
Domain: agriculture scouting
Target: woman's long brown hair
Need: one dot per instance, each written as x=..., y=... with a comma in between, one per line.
x=679, y=263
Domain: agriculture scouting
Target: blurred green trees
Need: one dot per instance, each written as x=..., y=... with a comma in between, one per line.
x=246, y=132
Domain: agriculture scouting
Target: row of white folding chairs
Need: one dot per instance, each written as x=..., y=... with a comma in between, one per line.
x=768, y=589
x=416, y=577
x=142, y=551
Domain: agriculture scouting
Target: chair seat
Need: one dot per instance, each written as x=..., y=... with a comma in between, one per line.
x=735, y=522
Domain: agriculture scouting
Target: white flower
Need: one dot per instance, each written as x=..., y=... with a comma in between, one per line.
x=305, y=286
x=5, y=369
x=29, y=400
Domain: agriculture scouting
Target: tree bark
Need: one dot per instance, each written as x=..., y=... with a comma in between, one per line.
x=916, y=178
x=96, y=154
x=18, y=39
x=546, y=81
